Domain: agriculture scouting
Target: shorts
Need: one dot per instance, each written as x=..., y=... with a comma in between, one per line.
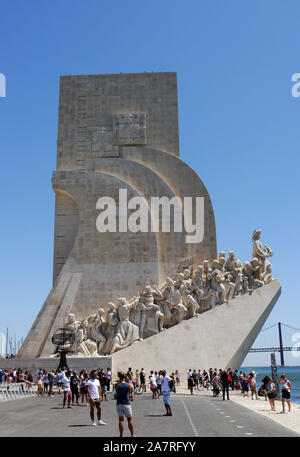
x=124, y=410
x=285, y=394
x=271, y=395
x=95, y=402
x=59, y=383
x=103, y=389
x=51, y=384
x=166, y=397
x=67, y=394
x=83, y=389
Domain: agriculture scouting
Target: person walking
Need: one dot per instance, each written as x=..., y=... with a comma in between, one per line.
x=51, y=383
x=285, y=392
x=153, y=384
x=159, y=380
x=83, y=387
x=252, y=384
x=66, y=388
x=95, y=397
x=124, y=393
x=166, y=391
x=108, y=377
x=143, y=380
x=74, y=383
x=271, y=392
x=59, y=377
x=225, y=383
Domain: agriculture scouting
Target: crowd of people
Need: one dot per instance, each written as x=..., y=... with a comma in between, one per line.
x=224, y=380
x=90, y=389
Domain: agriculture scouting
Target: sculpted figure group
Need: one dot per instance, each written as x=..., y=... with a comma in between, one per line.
x=189, y=294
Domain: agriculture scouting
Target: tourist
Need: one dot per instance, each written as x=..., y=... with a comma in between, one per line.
x=103, y=383
x=271, y=392
x=95, y=397
x=59, y=377
x=143, y=380
x=137, y=379
x=45, y=381
x=188, y=376
x=108, y=377
x=165, y=387
x=124, y=393
x=245, y=385
x=252, y=384
x=83, y=387
x=191, y=382
x=215, y=383
x=40, y=387
x=225, y=379
x=74, y=383
x=195, y=379
x=51, y=383
x=66, y=388
x=159, y=379
x=177, y=378
x=285, y=392
x=153, y=385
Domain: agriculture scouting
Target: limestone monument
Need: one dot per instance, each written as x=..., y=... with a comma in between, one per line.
x=136, y=274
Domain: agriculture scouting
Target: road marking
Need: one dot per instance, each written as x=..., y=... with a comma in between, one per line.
x=190, y=419
x=221, y=412
x=227, y=416
x=240, y=426
x=232, y=421
x=249, y=434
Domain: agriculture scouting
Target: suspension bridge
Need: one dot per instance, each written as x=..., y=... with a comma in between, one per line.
x=281, y=349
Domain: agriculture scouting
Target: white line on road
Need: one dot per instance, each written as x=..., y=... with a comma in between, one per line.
x=189, y=418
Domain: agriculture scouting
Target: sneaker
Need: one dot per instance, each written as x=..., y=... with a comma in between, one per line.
x=93, y=423
x=100, y=422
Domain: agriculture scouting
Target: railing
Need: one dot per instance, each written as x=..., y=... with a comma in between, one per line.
x=276, y=349
x=16, y=390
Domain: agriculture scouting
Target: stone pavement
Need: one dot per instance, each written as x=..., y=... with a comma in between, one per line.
x=197, y=415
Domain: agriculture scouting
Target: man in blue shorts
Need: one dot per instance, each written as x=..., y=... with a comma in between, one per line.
x=166, y=391
x=124, y=395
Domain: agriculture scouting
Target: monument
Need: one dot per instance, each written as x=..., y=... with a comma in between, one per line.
x=136, y=273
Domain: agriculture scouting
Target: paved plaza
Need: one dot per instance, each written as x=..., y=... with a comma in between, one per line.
x=198, y=415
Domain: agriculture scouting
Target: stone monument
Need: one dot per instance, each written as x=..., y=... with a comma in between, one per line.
x=134, y=273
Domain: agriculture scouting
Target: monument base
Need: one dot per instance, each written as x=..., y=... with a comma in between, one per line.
x=49, y=363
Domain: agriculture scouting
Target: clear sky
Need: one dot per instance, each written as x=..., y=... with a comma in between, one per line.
x=239, y=125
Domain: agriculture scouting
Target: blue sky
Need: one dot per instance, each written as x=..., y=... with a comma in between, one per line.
x=239, y=124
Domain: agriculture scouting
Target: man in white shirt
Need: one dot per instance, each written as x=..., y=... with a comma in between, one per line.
x=165, y=387
x=66, y=388
x=159, y=379
x=95, y=397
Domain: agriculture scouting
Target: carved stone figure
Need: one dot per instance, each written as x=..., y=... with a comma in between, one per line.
x=127, y=332
x=83, y=345
x=262, y=253
x=96, y=329
x=229, y=287
x=193, y=307
x=166, y=301
x=152, y=319
x=233, y=265
x=252, y=273
x=218, y=288
x=112, y=322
